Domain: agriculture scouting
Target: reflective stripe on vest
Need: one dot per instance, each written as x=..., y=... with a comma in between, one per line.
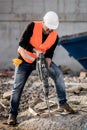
x=26, y=55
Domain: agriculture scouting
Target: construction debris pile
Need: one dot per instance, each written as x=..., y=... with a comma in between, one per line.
x=33, y=112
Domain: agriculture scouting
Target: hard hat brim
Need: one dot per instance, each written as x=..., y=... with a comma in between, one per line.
x=51, y=26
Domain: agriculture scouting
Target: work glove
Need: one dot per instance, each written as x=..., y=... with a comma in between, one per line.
x=17, y=62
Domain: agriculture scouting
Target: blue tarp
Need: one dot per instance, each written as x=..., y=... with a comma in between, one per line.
x=76, y=45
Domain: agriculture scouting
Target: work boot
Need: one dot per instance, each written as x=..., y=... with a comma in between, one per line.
x=66, y=108
x=12, y=120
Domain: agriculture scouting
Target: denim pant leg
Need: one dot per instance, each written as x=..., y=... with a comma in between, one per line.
x=56, y=74
x=21, y=74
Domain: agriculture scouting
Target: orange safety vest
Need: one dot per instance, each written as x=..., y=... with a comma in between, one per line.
x=36, y=42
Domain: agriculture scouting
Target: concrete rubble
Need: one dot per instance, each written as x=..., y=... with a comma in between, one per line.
x=33, y=112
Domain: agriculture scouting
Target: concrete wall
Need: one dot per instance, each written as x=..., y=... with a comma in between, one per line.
x=16, y=14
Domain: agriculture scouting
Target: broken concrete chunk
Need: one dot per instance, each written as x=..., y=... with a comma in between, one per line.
x=6, y=95
x=83, y=74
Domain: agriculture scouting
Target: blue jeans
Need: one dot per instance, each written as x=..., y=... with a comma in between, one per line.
x=22, y=73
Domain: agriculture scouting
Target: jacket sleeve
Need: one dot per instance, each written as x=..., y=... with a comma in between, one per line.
x=50, y=52
x=24, y=41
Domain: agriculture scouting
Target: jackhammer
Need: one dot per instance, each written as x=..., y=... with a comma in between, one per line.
x=43, y=73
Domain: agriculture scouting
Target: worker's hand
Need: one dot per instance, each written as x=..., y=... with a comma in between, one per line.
x=17, y=61
x=36, y=51
x=48, y=60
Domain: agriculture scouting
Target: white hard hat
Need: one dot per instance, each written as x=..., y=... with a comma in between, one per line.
x=51, y=20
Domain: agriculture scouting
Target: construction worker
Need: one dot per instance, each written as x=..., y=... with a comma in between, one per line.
x=39, y=37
